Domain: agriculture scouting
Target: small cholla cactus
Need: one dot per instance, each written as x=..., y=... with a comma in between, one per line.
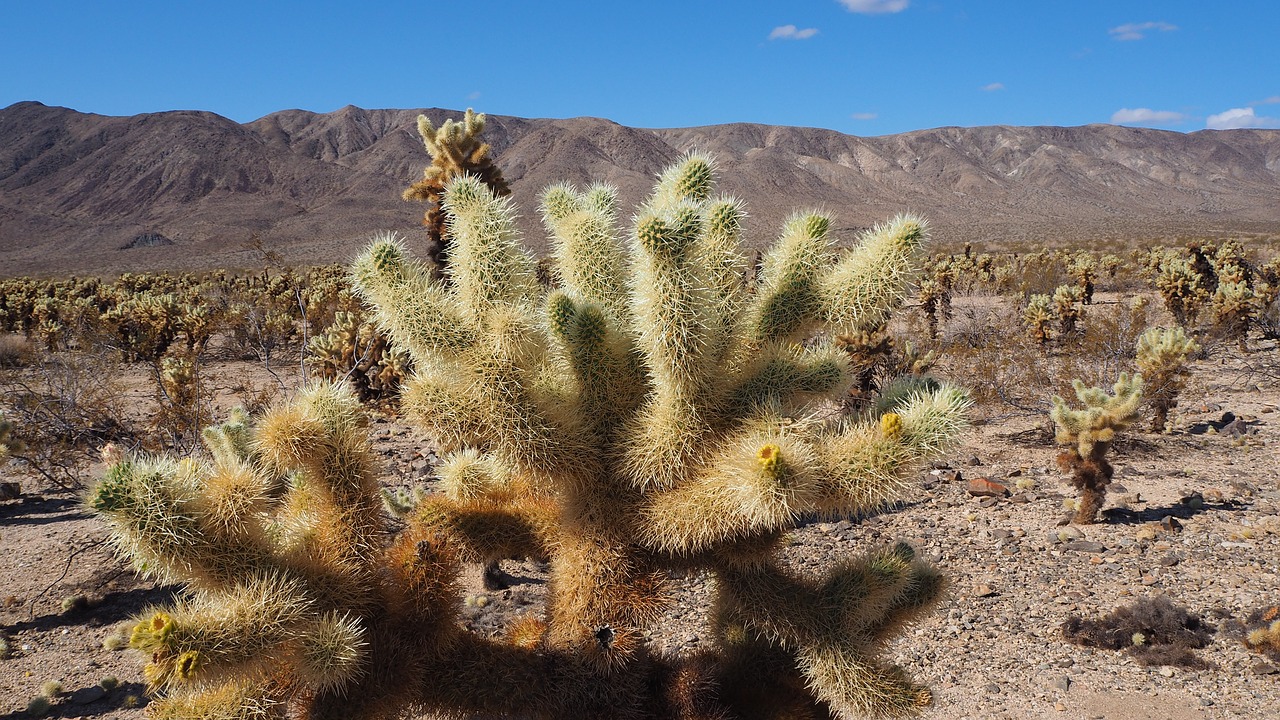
x=1162, y=355
x=1088, y=434
x=636, y=421
x=1038, y=318
x=1262, y=631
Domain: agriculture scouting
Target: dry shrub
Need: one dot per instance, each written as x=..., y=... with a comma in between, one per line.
x=15, y=351
x=1153, y=630
x=63, y=407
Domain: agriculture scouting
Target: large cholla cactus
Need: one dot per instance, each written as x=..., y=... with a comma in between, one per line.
x=1088, y=433
x=648, y=417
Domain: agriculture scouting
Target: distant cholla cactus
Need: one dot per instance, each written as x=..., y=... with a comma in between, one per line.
x=355, y=350
x=1083, y=268
x=1038, y=318
x=1182, y=288
x=1234, y=308
x=455, y=149
x=1088, y=434
x=649, y=416
x=1067, y=308
x=1162, y=360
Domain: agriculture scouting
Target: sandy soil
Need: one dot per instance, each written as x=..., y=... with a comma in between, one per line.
x=992, y=650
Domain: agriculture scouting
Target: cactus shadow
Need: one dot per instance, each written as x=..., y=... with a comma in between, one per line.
x=41, y=510
x=114, y=607
x=1159, y=513
x=66, y=707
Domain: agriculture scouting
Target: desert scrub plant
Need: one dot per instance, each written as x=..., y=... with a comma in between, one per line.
x=455, y=149
x=1087, y=435
x=648, y=416
x=1162, y=355
x=1153, y=630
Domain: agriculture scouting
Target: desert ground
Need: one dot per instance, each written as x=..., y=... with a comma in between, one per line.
x=1193, y=515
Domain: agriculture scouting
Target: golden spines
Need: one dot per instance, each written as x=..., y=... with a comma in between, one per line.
x=787, y=303
x=871, y=281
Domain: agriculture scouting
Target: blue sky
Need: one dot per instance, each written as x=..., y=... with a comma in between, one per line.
x=865, y=67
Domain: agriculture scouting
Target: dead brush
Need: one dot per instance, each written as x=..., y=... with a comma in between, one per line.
x=1152, y=630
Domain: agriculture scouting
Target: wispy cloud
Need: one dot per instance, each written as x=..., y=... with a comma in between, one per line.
x=875, y=7
x=1138, y=31
x=1274, y=99
x=1237, y=118
x=864, y=116
x=473, y=95
x=992, y=87
x=791, y=32
x=1146, y=116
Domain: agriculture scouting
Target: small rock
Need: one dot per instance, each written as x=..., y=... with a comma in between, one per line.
x=1170, y=560
x=949, y=475
x=1170, y=523
x=87, y=695
x=1059, y=707
x=1166, y=671
x=1062, y=682
x=1088, y=546
x=1020, y=499
x=1265, y=668
x=992, y=689
x=987, y=502
x=982, y=487
x=984, y=590
x=974, y=461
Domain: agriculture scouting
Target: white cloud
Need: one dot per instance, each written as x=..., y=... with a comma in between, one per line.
x=1240, y=118
x=1138, y=31
x=875, y=7
x=1269, y=101
x=1146, y=116
x=992, y=87
x=473, y=95
x=864, y=116
x=791, y=32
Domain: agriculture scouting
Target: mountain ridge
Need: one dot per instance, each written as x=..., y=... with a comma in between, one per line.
x=75, y=188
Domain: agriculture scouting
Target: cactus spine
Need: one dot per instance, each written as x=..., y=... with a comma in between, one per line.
x=637, y=420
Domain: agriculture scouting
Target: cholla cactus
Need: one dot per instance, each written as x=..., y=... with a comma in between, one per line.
x=1038, y=318
x=1083, y=268
x=1162, y=355
x=650, y=415
x=455, y=149
x=354, y=350
x=1182, y=288
x=1067, y=308
x=1234, y=308
x=1088, y=434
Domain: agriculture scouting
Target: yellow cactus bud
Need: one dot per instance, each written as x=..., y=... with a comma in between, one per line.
x=770, y=458
x=153, y=633
x=187, y=664
x=891, y=426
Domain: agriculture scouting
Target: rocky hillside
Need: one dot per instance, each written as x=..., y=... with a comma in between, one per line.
x=86, y=193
